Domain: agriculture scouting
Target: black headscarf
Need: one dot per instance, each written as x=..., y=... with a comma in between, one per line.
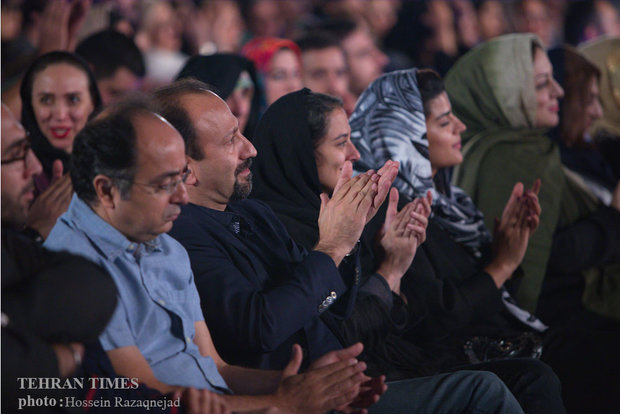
x=222, y=70
x=44, y=151
x=284, y=172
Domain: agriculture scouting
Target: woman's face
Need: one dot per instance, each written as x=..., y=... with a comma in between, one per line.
x=443, y=131
x=61, y=103
x=334, y=149
x=284, y=75
x=593, y=108
x=548, y=91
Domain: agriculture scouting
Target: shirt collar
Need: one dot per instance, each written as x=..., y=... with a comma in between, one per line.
x=111, y=241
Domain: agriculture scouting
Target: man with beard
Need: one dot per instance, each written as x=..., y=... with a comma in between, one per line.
x=260, y=291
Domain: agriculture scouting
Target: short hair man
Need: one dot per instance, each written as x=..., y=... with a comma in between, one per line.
x=116, y=61
x=128, y=171
x=267, y=291
x=365, y=61
x=41, y=338
x=325, y=66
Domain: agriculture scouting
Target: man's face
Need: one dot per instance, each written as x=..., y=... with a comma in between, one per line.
x=117, y=86
x=19, y=166
x=149, y=209
x=325, y=71
x=366, y=62
x=224, y=172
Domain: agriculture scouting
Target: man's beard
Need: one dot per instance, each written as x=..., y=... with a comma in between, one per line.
x=242, y=190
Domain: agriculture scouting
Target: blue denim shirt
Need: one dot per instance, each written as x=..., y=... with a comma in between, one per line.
x=158, y=302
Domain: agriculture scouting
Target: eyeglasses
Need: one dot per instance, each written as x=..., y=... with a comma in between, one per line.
x=19, y=154
x=167, y=188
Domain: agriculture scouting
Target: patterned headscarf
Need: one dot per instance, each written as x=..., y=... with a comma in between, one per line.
x=389, y=123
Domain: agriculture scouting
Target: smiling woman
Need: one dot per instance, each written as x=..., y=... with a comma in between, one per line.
x=59, y=94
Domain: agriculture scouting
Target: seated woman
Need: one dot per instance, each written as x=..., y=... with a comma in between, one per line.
x=505, y=93
x=59, y=94
x=579, y=109
x=278, y=64
x=304, y=142
x=235, y=81
x=463, y=302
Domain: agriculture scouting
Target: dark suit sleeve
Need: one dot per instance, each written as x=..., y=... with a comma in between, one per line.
x=238, y=309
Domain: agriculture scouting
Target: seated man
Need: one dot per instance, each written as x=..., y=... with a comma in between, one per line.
x=128, y=172
x=116, y=61
x=261, y=291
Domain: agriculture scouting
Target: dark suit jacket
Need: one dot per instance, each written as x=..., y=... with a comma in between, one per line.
x=260, y=291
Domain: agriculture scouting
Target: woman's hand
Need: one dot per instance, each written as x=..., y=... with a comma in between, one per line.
x=512, y=233
x=402, y=232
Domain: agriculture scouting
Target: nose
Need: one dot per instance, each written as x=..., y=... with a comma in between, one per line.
x=60, y=111
x=180, y=195
x=33, y=166
x=381, y=58
x=557, y=89
x=249, y=151
x=459, y=125
x=352, y=153
x=597, y=109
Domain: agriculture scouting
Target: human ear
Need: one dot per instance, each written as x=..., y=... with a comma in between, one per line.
x=106, y=190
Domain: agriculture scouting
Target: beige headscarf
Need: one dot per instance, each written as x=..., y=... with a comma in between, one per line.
x=605, y=54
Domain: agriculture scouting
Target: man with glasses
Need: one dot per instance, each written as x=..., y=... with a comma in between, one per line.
x=19, y=166
x=128, y=172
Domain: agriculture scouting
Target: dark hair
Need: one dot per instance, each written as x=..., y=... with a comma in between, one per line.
x=317, y=41
x=338, y=27
x=430, y=86
x=579, y=15
x=318, y=107
x=169, y=99
x=109, y=50
x=107, y=146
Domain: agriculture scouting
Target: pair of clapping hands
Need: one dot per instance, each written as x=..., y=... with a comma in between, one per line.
x=354, y=202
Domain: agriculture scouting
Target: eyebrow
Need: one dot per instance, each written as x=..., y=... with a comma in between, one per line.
x=170, y=174
x=442, y=115
x=16, y=144
x=340, y=136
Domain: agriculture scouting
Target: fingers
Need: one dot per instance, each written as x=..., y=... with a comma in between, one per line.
x=292, y=368
x=339, y=355
x=392, y=206
x=536, y=186
x=387, y=174
x=345, y=175
x=57, y=168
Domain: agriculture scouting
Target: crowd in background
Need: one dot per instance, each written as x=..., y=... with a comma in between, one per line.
x=484, y=261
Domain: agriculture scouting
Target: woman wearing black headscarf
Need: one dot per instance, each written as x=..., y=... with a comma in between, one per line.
x=300, y=154
x=234, y=80
x=59, y=94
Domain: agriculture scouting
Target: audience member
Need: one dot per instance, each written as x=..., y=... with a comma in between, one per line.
x=278, y=64
x=491, y=18
x=59, y=93
x=533, y=17
x=364, y=60
x=507, y=108
x=586, y=20
x=310, y=155
x=325, y=67
x=129, y=171
x=51, y=302
x=234, y=78
x=160, y=42
x=246, y=264
x=263, y=17
x=116, y=62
